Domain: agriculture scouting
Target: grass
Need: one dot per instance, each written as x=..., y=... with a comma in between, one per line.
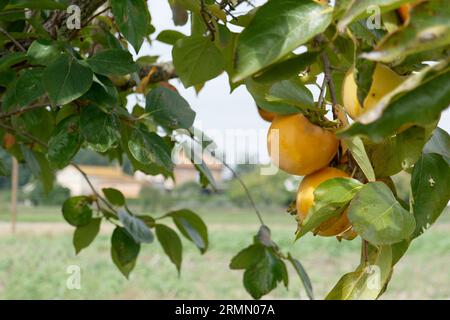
x=34, y=266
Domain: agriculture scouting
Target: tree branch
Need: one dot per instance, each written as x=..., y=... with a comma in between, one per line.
x=23, y=110
x=16, y=43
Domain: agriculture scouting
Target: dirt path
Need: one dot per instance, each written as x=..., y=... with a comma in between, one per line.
x=55, y=228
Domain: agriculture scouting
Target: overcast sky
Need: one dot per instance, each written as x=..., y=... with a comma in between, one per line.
x=216, y=108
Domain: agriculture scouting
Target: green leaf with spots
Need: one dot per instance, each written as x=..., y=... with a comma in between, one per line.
x=430, y=190
x=77, y=211
x=378, y=217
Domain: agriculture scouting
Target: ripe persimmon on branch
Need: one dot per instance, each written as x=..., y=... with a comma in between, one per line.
x=385, y=85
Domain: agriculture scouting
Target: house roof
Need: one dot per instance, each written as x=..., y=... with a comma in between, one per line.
x=111, y=173
x=212, y=163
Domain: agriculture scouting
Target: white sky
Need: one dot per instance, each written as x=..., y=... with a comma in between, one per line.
x=216, y=108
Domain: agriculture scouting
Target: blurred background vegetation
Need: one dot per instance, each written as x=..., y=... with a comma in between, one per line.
x=33, y=262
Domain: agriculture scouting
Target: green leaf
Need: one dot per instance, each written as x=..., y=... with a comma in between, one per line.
x=124, y=250
x=262, y=277
x=358, y=10
x=439, y=143
x=99, y=129
x=278, y=28
x=171, y=244
x=397, y=153
x=43, y=52
x=248, y=257
x=40, y=168
x=76, y=211
x=363, y=74
x=368, y=280
x=148, y=148
x=103, y=93
x=287, y=69
x=197, y=60
x=428, y=29
x=112, y=62
x=330, y=199
x=65, y=142
x=192, y=227
x=66, y=80
x=411, y=83
x=132, y=18
x=292, y=92
x=170, y=37
x=169, y=109
x=408, y=109
x=85, y=235
x=430, y=190
x=378, y=217
x=29, y=87
x=136, y=227
x=358, y=151
x=303, y=276
x=11, y=59
x=259, y=92
x=38, y=122
x=114, y=196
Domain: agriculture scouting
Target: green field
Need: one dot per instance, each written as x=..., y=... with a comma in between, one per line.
x=34, y=261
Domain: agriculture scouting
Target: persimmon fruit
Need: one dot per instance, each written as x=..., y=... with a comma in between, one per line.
x=266, y=115
x=334, y=226
x=384, y=81
x=302, y=147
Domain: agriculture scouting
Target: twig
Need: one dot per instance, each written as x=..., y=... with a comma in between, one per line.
x=249, y=196
x=96, y=15
x=329, y=79
x=365, y=251
x=74, y=34
x=10, y=37
x=23, y=134
x=207, y=19
x=85, y=176
x=322, y=93
x=23, y=110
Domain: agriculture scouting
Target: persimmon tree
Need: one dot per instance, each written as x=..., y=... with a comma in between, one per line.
x=382, y=70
